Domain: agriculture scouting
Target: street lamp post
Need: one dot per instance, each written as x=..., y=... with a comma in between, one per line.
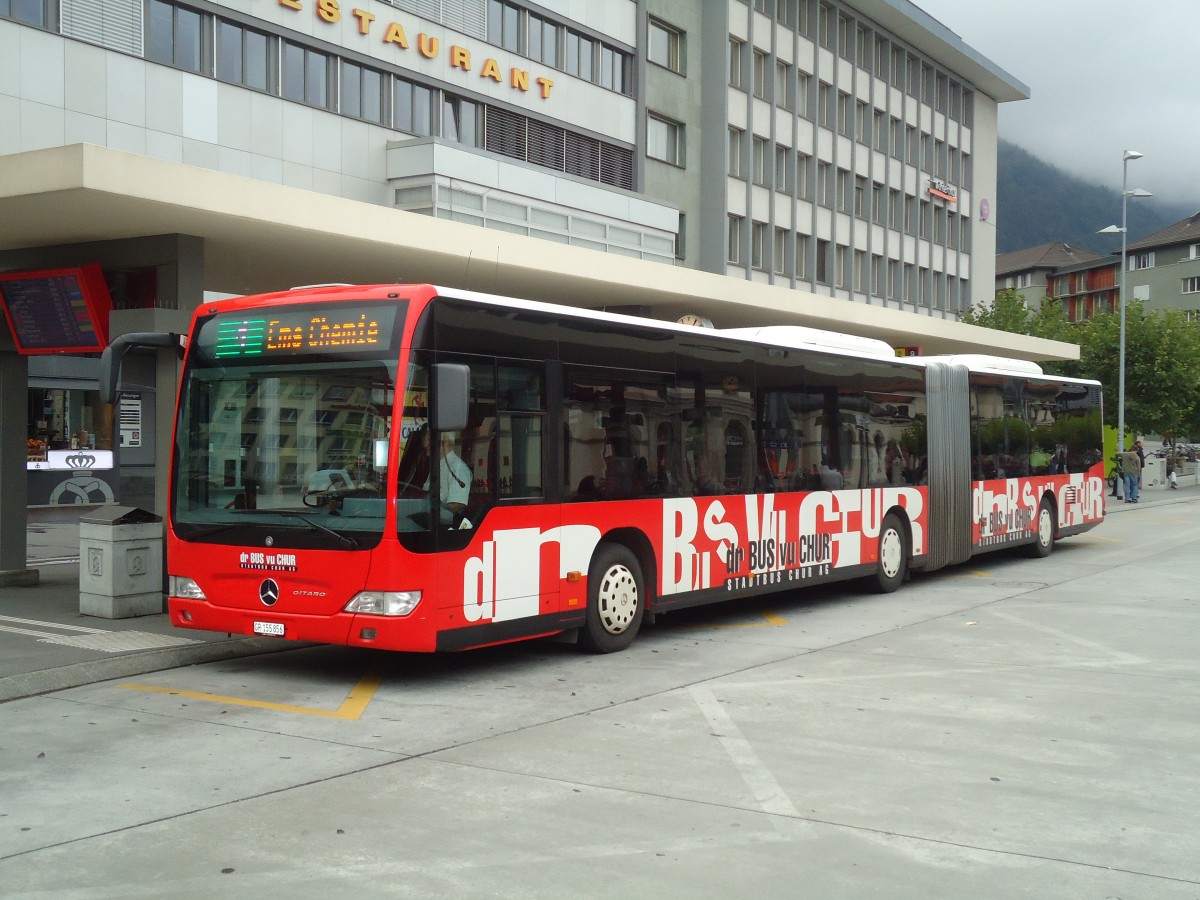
x=1124, y=230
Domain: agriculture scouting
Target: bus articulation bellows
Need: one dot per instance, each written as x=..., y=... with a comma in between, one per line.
x=417, y=468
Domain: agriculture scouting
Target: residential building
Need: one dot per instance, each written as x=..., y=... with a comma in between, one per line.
x=1163, y=272
x=1028, y=271
x=1164, y=268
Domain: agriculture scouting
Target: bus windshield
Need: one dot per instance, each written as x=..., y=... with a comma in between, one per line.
x=303, y=453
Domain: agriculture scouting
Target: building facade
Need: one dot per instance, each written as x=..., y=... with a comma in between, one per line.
x=1162, y=272
x=835, y=159
x=841, y=158
x=1029, y=272
x=1164, y=268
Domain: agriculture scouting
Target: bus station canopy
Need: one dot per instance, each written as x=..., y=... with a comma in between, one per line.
x=260, y=236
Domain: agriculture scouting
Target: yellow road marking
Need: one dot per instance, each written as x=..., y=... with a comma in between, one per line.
x=770, y=617
x=352, y=707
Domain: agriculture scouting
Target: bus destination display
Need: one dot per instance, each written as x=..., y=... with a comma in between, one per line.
x=301, y=331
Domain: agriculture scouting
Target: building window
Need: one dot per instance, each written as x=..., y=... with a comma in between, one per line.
x=843, y=190
x=802, y=175
x=1141, y=261
x=759, y=74
x=412, y=106
x=785, y=86
x=306, y=76
x=616, y=70
x=758, y=240
x=734, y=252
x=822, y=261
x=664, y=139
x=243, y=56
x=877, y=203
x=543, y=40
x=787, y=12
x=173, y=36
x=843, y=114
x=28, y=12
x=580, y=56
x=783, y=181
x=802, y=82
x=845, y=38
x=877, y=275
x=860, y=271
x=824, y=183
x=825, y=26
x=735, y=62
x=842, y=263
x=825, y=105
x=1194, y=251
x=802, y=256
x=779, y=257
x=665, y=46
x=895, y=209
x=504, y=25
x=860, y=197
x=881, y=135
x=759, y=160
x=736, y=165
x=862, y=127
x=362, y=92
x=460, y=121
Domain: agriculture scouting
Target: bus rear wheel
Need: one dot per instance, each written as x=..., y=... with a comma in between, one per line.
x=616, y=600
x=1043, y=541
x=893, y=556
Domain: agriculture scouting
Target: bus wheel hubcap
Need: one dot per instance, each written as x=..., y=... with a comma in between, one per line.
x=617, y=599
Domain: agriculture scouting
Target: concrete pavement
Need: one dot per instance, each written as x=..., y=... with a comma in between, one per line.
x=47, y=645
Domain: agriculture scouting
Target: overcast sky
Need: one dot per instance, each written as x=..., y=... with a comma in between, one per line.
x=1104, y=76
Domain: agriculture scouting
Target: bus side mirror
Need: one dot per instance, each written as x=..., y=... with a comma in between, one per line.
x=451, y=396
x=110, y=359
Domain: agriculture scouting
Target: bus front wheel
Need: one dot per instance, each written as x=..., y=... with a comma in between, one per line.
x=893, y=555
x=616, y=600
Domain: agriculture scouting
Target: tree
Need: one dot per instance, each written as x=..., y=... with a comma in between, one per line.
x=1162, y=357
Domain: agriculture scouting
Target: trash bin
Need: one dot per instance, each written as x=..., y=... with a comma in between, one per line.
x=120, y=563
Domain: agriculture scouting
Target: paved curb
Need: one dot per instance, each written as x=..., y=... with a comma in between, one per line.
x=29, y=684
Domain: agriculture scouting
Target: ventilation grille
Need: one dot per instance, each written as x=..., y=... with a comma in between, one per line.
x=517, y=136
x=467, y=16
x=115, y=24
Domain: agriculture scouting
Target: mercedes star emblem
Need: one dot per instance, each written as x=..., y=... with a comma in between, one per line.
x=268, y=592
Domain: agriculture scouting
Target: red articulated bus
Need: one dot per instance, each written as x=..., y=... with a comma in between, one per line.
x=416, y=468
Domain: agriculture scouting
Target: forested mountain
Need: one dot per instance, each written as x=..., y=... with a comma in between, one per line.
x=1037, y=202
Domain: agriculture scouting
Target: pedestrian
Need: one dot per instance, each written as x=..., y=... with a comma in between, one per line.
x=1132, y=474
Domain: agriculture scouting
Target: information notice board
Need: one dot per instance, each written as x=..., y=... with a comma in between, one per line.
x=57, y=310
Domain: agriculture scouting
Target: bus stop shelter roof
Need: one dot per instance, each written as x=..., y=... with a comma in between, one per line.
x=259, y=236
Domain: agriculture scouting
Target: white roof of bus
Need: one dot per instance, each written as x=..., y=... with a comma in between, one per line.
x=791, y=336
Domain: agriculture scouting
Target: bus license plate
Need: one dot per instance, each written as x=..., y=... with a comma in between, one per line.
x=273, y=629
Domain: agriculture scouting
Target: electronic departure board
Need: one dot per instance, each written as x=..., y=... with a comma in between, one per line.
x=57, y=310
x=306, y=330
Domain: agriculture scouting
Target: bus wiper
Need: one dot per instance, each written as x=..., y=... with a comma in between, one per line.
x=203, y=531
x=347, y=542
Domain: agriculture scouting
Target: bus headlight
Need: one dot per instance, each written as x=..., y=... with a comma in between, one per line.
x=384, y=603
x=178, y=586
